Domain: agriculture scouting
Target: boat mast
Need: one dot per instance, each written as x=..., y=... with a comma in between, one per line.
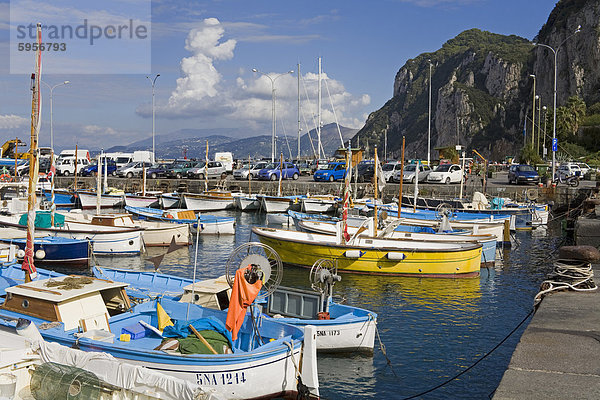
x=206, y=169
x=319, y=113
x=98, y=184
x=280, y=175
x=375, y=178
x=401, y=177
x=347, y=177
x=36, y=108
x=299, y=129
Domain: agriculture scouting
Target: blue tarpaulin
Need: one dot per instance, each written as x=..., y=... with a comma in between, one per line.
x=180, y=329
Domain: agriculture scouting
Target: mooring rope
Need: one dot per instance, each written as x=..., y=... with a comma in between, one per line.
x=568, y=275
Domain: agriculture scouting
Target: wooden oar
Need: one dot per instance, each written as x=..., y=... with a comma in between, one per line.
x=199, y=336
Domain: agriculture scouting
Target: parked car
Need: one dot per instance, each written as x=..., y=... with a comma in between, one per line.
x=584, y=168
x=410, y=172
x=335, y=171
x=568, y=169
x=179, y=168
x=446, y=173
x=365, y=172
x=158, y=170
x=132, y=169
x=212, y=169
x=305, y=168
x=272, y=171
x=389, y=169
x=250, y=170
x=319, y=164
x=110, y=168
x=522, y=173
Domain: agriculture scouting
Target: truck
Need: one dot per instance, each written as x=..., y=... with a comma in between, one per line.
x=226, y=159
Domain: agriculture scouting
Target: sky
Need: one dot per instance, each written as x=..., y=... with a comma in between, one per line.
x=205, y=53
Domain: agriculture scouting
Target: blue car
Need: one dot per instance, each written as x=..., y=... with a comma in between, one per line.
x=334, y=171
x=522, y=173
x=271, y=172
x=92, y=169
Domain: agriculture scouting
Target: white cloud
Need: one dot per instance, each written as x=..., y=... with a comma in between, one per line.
x=12, y=121
x=246, y=100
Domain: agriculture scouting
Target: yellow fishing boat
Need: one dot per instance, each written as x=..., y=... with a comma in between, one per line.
x=372, y=255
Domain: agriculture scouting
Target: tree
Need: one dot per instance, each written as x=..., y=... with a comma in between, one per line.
x=569, y=117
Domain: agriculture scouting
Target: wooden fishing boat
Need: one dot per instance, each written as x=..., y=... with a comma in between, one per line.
x=377, y=256
x=92, y=312
x=488, y=242
x=246, y=202
x=209, y=224
x=212, y=200
x=341, y=327
x=138, y=200
x=319, y=204
x=106, y=240
x=51, y=251
x=89, y=200
x=169, y=200
x=154, y=233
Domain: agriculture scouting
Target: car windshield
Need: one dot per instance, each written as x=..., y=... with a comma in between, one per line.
x=330, y=166
x=201, y=164
x=526, y=168
x=442, y=168
x=130, y=165
x=410, y=168
x=389, y=167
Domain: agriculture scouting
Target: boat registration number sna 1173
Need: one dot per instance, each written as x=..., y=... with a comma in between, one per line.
x=226, y=378
x=334, y=332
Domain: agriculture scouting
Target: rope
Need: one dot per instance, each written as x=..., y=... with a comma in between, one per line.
x=476, y=362
x=303, y=391
x=577, y=277
x=384, y=352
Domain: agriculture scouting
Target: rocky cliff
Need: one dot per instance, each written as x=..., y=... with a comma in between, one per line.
x=481, y=88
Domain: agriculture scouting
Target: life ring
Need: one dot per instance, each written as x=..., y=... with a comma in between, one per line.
x=532, y=194
x=5, y=178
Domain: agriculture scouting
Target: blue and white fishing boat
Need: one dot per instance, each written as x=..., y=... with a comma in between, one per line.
x=265, y=361
x=340, y=327
x=209, y=224
x=63, y=198
x=54, y=251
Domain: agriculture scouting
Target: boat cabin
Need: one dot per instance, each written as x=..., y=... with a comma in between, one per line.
x=285, y=301
x=117, y=220
x=76, y=301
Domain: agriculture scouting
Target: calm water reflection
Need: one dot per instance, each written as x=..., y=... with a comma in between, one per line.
x=432, y=328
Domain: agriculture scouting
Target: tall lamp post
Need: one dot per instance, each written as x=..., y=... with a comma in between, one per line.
x=273, y=106
x=153, y=82
x=539, y=111
x=429, y=119
x=51, y=116
x=555, y=51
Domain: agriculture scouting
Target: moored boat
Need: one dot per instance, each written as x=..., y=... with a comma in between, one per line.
x=137, y=200
x=54, y=251
x=212, y=200
x=209, y=224
x=89, y=200
x=372, y=255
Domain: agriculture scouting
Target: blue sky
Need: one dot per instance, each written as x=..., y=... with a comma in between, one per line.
x=205, y=52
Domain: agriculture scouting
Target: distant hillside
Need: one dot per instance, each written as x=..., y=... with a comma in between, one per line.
x=192, y=143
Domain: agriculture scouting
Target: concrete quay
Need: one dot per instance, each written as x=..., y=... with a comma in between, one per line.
x=558, y=356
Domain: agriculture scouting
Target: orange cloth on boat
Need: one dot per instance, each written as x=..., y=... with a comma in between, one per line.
x=242, y=295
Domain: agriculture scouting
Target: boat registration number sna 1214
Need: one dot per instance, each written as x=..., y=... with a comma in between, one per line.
x=226, y=378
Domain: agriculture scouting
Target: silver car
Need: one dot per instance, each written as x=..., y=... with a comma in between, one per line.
x=248, y=171
x=410, y=171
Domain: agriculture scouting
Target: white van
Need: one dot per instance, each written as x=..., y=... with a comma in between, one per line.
x=143, y=155
x=65, y=164
x=226, y=159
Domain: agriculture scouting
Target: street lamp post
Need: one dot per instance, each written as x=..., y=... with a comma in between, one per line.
x=273, y=107
x=429, y=119
x=555, y=51
x=51, y=116
x=539, y=111
x=153, y=82
x=545, y=109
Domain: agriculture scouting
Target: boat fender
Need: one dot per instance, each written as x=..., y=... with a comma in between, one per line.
x=395, y=255
x=28, y=330
x=353, y=253
x=40, y=254
x=20, y=253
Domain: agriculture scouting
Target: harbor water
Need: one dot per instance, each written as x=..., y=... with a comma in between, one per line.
x=430, y=329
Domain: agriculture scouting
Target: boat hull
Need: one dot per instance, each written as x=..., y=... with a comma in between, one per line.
x=168, y=201
x=207, y=202
x=374, y=261
x=141, y=201
x=275, y=204
x=318, y=205
x=158, y=235
x=88, y=200
x=58, y=252
x=246, y=203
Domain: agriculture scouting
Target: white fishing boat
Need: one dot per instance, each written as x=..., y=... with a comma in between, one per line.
x=154, y=233
x=138, y=200
x=209, y=224
x=169, y=200
x=213, y=200
x=276, y=204
x=105, y=240
x=319, y=204
x=89, y=200
x=246, y=202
